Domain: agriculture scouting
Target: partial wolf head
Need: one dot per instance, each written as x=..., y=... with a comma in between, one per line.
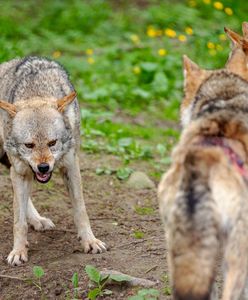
x=195, y=77
x=38, y=133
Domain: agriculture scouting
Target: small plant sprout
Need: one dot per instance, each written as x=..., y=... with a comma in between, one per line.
x=75, y=285
x=100, y=282
x=38, y=273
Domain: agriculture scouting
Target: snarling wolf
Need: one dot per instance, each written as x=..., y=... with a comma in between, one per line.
x=40, y=130
x=204, y=195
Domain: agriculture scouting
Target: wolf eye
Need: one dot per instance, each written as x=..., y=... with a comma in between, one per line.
x=52, y=143
x=29, y=145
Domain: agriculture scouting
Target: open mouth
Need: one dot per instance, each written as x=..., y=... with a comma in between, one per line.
x=43, y=178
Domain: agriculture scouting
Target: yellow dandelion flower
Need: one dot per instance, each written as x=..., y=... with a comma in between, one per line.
x=151, y=32
x=136, y=70
x=228, y=11
x=219, y=47
x=135, y=38
x=222, y=37
x=212, y=52
x=210, y=45
x=56, y=54
x=170, y=33
x=90, y=60
x=207, y=1
x=218, y=5
x=89, y=51
x=189, y=30
x=162, y=52
x=182, y=38
x=192, y=3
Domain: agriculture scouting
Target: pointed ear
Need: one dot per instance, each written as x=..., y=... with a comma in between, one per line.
x=237, y=63
x=191, y=71
x=236, y=39
x=189, y=67
x=193, y=77
x=10, y=108
x=65, y=101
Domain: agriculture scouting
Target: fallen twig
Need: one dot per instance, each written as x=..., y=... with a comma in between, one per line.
x=12, y=277
x=133, y=281
x=150, y=269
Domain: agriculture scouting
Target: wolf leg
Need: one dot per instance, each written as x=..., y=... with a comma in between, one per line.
x=72, y=179
x=38, y=222
x=236, y=262
x=22, y=187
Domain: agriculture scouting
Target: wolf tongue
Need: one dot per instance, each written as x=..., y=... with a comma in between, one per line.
x=42, y=176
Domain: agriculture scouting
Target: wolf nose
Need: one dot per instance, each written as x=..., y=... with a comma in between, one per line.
x=43, y=168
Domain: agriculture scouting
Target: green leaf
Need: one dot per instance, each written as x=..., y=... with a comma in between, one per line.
x=160, y=83
x=161, y=149
x=148, y=66
x=85, y=113
x=38, y=271
x=166, y=160
x=123, y=173
x=138, y=234
x=148, y=292
x=100, y=171
x=92, y=295
x=120, y=277
x=125, y=142
x=75, y=280
x=141, y=93
x=93, y=273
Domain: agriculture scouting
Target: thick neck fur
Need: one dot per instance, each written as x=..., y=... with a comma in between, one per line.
x=222, y=90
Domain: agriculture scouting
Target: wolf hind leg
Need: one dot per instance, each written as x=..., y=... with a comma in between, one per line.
x=235, y=286
x=38, y=222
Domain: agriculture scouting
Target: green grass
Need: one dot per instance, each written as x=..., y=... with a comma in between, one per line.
x=124, y=62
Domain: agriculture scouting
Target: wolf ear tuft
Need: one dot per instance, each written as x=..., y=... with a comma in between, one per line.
x=8, y=107
x=65, y=101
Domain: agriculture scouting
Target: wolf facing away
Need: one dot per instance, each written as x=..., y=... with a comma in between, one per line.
x=203, y=196
x=40, y=130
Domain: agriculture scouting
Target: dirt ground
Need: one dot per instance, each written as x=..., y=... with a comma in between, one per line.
x=111, y=208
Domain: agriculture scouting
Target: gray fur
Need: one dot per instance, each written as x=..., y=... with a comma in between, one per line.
x=40, y=125
x=32, y=77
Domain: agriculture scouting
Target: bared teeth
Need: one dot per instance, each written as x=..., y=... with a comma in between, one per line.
x=43, y=178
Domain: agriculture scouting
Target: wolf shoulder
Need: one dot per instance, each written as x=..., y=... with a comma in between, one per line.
x=29, y=77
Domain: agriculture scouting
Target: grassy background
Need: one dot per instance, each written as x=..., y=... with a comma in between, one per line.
x=124, y=58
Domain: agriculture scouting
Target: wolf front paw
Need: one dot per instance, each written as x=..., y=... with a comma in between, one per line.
x=93, y=246
x=17, y=257
x=41, y=223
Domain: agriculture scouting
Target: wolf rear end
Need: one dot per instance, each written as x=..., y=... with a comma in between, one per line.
x=203, y=196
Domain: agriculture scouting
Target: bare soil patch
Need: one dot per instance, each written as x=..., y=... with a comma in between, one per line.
x=112, y=208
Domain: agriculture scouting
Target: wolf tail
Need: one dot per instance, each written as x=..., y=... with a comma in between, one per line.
x=193, y=233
